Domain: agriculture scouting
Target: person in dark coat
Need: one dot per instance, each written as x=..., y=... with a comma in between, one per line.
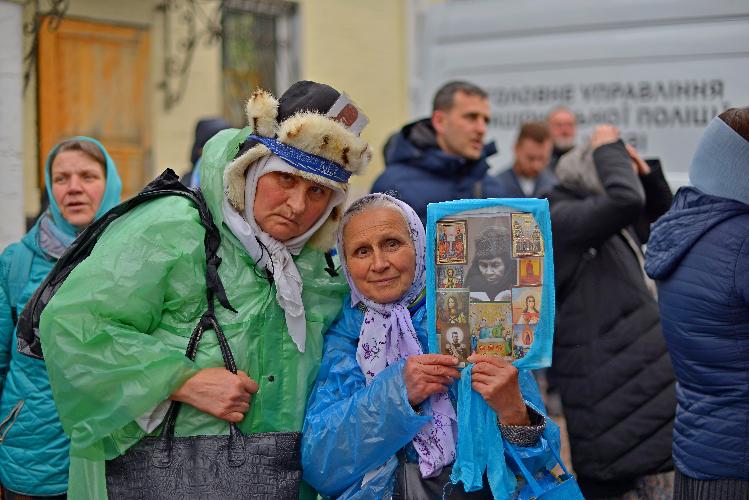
x=204, y=130
x=610, y=361
x=529, y=176
x=699, y=253
x=443, y=157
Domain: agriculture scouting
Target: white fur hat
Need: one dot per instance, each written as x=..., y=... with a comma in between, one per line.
x=315, y=129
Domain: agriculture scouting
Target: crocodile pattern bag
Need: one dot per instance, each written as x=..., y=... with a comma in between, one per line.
x=201, y=467
x=265, y=466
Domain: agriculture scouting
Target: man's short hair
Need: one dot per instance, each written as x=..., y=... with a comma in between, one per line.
x=535, y=131
x=737, y=119
x=445, y=96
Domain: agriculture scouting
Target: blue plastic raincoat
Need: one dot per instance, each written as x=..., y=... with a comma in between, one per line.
x=351, y=429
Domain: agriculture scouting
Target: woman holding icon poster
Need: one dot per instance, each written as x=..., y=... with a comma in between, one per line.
x=380, y=422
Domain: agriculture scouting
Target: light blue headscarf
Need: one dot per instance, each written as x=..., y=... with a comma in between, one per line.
x=66, y=231
x=721, y=163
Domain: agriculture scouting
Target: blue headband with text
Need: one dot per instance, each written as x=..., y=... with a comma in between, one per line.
x=304, y=161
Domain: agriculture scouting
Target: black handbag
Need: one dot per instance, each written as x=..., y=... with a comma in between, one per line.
x=265, y=466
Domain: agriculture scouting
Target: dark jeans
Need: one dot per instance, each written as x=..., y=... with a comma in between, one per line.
x=9, y=495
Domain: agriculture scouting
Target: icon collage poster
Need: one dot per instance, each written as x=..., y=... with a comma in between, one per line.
x=489, y=280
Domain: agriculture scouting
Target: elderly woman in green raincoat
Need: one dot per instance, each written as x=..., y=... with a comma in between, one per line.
x=115, y=334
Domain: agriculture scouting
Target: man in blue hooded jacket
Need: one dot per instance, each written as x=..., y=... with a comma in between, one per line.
x=443, y=157
x=699, y=253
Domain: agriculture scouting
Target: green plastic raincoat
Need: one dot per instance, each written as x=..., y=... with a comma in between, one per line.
x=115, y=334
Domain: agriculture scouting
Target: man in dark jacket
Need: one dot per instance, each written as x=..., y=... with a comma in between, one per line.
x=443, y=157
x=529, y=177
x=699, y=253
x=610, y=359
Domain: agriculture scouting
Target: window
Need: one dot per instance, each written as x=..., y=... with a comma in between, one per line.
x=259, y=50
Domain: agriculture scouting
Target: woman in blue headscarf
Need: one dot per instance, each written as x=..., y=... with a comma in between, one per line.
x=82, y=184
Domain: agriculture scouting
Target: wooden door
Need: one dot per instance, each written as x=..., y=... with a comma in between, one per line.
x=93, y=80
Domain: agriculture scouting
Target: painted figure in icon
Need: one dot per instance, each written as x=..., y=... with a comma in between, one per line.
x=526, y=236
x=527, y=335
x=530, y=272
x=460, y=241
x=485, y=331
x=451, y=244
x=452, y=313
x=530, y=313
x=442, y=247
x=451, y=277
x=523, y=339
x=508, y=343
x=536, y=242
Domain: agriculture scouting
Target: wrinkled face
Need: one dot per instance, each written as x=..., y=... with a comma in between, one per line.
x=78, y=186
x=562, y=126
x=492, y=269
x=531, y=157
x=461, y=129
x=380, y=254
x=287, y=206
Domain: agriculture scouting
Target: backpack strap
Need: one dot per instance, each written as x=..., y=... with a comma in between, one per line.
x=18, y=277
x=330, y=268
x=167, y=184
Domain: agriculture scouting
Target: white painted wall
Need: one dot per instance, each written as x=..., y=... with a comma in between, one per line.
x=11, y=119
x=605, y=60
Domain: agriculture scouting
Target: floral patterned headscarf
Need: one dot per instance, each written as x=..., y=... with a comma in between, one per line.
x=387, y=335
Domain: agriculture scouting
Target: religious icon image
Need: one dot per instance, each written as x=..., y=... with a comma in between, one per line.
x=529, y=271
x=522, y=340
x=450, y=276
x=526, y=305
x=489, y=280
x=454, y=342
x=526, y=236
x=451, y=242
x=491, y=327
x=452, y=308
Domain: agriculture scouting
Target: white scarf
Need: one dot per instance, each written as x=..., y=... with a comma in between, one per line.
x=274, y=255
